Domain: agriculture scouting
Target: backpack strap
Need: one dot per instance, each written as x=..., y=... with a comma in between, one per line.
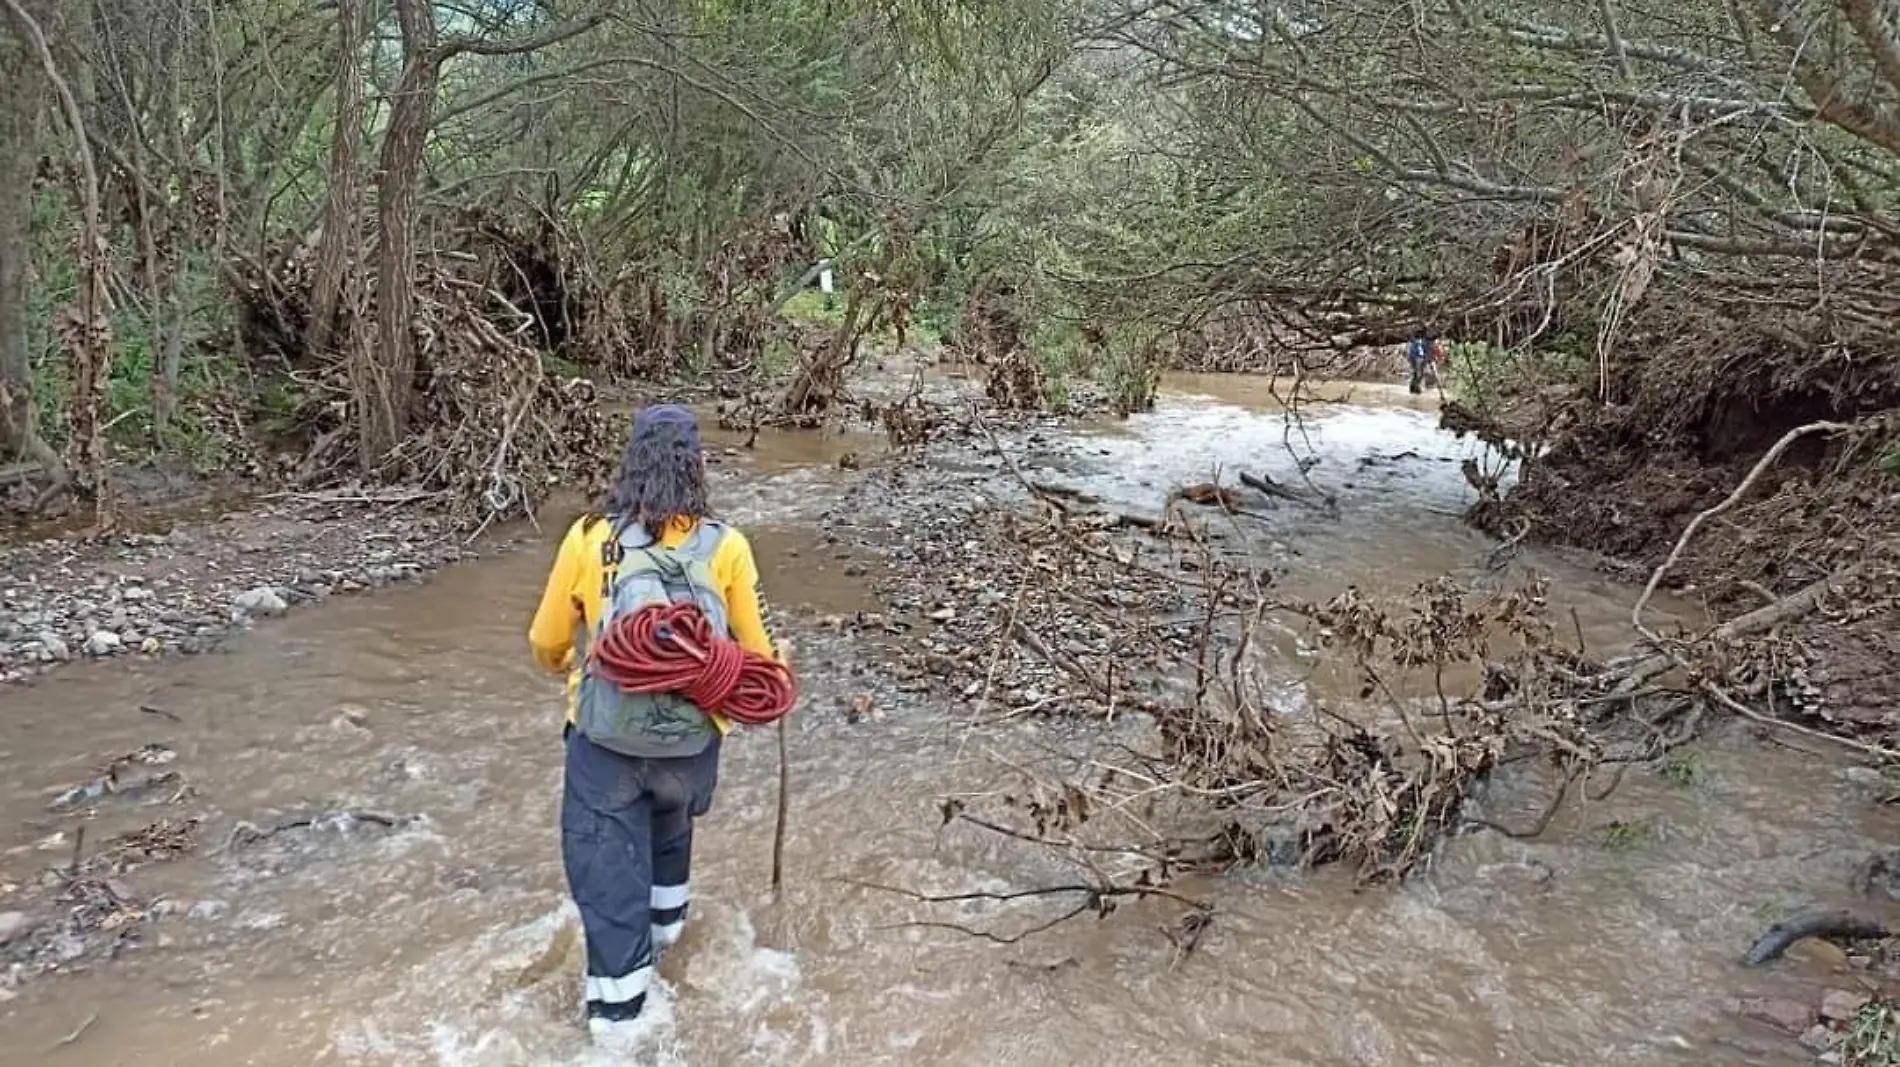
x=705, y=541
x=632, y=537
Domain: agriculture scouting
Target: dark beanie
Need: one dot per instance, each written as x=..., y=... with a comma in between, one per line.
x=649, y=419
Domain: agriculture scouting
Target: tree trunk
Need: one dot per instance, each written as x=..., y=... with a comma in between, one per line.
x=386, y=377
x=22, y=100
x=161, y=295
x=821, y=380
x=22, y=90
x=171, y=351
x=341, y=234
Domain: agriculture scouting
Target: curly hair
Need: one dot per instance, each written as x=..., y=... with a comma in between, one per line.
x=662, y=477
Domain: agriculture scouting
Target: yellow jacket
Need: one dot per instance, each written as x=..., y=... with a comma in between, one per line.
x=573, y=598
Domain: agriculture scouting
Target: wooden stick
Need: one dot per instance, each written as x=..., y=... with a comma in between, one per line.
x=784, y=803
x=1637, y=671
x=77, y=1034
x=1721, y=696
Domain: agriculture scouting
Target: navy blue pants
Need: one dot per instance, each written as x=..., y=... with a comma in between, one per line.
x=627, y=844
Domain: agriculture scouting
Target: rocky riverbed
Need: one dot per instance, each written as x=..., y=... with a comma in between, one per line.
x=182, y=591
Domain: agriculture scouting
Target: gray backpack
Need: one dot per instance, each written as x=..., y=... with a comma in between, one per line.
x=657, y=725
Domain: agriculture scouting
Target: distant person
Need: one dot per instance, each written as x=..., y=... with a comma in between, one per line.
x=627, y=819
x=1423, y=352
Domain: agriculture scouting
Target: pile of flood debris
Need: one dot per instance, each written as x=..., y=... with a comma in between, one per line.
x=1749, y=445
x=1156, y=629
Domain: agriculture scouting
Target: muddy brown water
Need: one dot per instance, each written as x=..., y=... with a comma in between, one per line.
x=419, y=946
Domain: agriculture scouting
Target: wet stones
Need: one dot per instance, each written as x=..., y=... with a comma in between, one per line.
x=103, y=643
x=1819, y=1039
x=861, y=708
x=124, y=780
x=13, y=926
x=184, y=592
x=207, y=911
x=263, y=601
x=1820, y=1029
x=1791, y=1017
x=1842, y=1005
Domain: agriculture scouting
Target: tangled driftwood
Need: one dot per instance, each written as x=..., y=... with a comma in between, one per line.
x=493, y=429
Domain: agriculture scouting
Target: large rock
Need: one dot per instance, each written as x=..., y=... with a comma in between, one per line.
x=1820, y=1039
x=103, y=643
x=208, y=911
x=1842, y=1005
x=261, y=601
x=53, y=647
x=13, y=926
x=1792, y=1017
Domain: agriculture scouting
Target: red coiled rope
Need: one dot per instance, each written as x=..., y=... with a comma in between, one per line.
x=671, y=648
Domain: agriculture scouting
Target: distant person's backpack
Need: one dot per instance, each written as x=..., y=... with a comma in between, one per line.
x=653, y=725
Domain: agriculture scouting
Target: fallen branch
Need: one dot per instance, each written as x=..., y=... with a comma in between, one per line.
x=1077, y=495
x=1543, y=821
x=245, y=834
x=77, y=1033
x=1265, y=484
x=1761, y=620
x=1095, y=898
x=19, y=472
x=1721, y=696
x=1067, y=664
x=1015, y=468
x=357, y=496
x=1819, y=924
x=1501, y=556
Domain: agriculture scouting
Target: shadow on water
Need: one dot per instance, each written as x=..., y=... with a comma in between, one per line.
x=430, y=945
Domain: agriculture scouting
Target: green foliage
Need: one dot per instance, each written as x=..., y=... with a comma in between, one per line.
x=1619, y=835
x=1058, y=394
x=1476, y=372
x=816, y=308
x=701, y=155
x=1873, y=1039
x=1132, y=372
x=201, y=311
x=1685, y=768
x=1481, y=375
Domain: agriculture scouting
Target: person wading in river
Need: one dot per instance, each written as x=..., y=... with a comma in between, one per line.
x=639, y=769
x=1424, y=353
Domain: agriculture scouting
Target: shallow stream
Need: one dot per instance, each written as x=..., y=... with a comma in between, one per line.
x=356, y=945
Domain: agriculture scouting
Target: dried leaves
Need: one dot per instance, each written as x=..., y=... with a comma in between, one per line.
x=1234, y=775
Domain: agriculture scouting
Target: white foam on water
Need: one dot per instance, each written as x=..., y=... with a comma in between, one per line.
x=523, y=1035
x=459, y=1008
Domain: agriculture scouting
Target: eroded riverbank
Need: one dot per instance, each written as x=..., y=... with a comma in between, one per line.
x=354, y=942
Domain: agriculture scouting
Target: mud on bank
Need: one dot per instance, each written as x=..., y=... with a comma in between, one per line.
x=1773, y=430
